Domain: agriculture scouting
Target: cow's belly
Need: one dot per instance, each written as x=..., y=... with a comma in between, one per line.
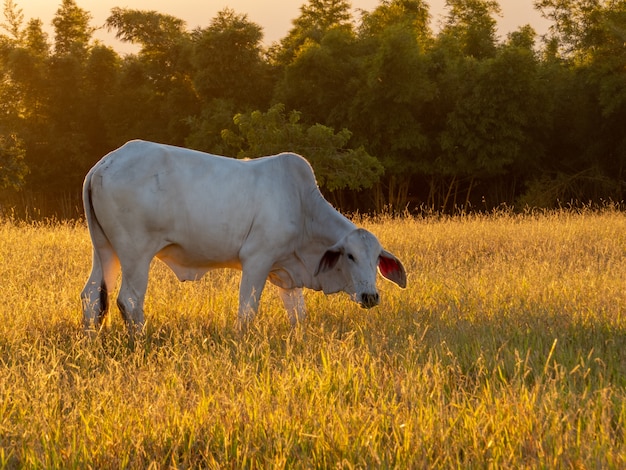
x=190, y=266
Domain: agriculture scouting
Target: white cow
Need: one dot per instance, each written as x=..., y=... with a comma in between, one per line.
x=196, y=211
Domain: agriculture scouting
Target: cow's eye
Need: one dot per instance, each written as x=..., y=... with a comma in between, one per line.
x=350, y=257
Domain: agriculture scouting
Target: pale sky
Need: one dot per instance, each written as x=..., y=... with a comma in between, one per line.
x=274, y=16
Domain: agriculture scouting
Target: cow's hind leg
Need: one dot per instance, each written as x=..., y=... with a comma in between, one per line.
x=94, y=297
x=132, y=293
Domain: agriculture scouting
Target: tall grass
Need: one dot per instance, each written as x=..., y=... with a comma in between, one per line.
x=506, y=350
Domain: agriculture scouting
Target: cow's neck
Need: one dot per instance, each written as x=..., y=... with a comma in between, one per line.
x=323, y=228
x=324, y=223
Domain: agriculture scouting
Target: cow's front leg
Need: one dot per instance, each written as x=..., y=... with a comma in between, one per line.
x=253, y=279
x=293, y=300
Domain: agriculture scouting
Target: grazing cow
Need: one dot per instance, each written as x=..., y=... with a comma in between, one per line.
x=196, y=211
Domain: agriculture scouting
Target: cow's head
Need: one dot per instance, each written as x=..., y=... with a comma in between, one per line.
x=350, y=266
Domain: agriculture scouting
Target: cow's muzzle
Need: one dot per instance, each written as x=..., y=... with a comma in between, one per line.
x=369, y=300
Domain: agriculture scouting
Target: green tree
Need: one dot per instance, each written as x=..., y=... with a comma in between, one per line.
x=389, y=112
x=586, y=42
x=23, y=102
x=323, y=77
x=163, y=40
x=316, y=18
x=13, y=169
x=58, y=109
x=35, y=39
x=23, y=96
x=336, y=166
x=72, y=32
x=413, y=14
x=472, y=24
x=136, y=110
x=101, y=77
x=228, y=62
x=155, y=94
x=230, y=75
x=155, y=32
x=13, y=20
x=208, y=126
x=61, y=163
x=494, y=127
x=577, y=25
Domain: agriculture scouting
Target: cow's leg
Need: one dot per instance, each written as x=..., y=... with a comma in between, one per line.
x=253, y=278
x=133, y=292
x=94, y=297
x=293, y=300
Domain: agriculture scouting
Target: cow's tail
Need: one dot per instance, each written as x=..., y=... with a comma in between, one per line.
x=105, y=264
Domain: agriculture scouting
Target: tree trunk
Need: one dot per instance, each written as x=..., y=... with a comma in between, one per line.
x=445, y=201
x=467, y=197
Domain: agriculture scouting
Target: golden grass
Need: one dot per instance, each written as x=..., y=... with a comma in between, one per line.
x=507, y=350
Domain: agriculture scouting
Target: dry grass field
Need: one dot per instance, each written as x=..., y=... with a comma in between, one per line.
x=508, y=349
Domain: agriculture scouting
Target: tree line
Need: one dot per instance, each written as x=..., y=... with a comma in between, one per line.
x=390, y=112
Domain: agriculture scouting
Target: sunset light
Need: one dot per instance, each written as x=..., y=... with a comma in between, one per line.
x=274, y=16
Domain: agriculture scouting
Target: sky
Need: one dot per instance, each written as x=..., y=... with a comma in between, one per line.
x=274, y=16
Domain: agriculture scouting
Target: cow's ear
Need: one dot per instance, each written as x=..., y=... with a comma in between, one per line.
x=328, y=261
x=391, y=268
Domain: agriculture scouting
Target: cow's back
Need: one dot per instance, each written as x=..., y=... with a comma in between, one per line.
x=140, y=165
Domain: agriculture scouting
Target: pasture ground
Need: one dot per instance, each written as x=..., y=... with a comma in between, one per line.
x=508, y=349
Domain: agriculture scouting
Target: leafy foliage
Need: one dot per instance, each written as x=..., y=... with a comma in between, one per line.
x=336, y=167
x=228, y=62
x=12, y=166
x=453, y=119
